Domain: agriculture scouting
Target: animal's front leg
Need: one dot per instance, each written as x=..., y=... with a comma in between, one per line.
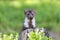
x=34, y=23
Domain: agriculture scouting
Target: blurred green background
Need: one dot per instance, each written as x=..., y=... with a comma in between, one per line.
x=12, y=14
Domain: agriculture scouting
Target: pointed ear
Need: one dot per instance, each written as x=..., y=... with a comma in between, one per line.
x=25, y=11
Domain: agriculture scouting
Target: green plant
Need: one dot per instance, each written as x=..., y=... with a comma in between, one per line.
x=37, y=36
x=9, y=37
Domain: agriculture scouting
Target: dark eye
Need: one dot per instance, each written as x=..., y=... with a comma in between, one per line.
x=32, y=14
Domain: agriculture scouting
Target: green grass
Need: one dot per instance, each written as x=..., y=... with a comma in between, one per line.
x=11, y=17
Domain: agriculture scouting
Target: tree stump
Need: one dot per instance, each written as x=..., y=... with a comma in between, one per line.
x=24, y=34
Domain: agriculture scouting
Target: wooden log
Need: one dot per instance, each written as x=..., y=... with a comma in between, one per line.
x=24, y=34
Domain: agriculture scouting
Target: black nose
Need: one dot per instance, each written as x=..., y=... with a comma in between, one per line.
x=31, y=17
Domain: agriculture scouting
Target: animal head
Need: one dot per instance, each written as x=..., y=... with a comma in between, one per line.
x=29, y=13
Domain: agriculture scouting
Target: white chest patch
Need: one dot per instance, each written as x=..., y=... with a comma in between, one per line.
x=26, y=22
